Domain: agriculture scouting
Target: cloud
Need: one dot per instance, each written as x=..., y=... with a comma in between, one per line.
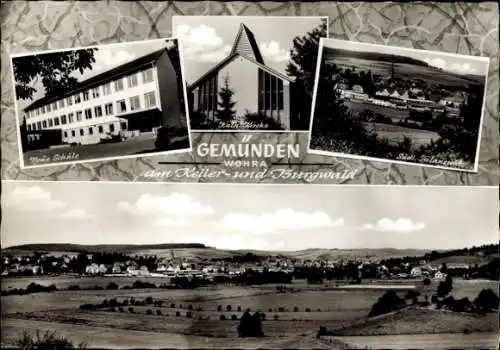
x=202, y=43
x=400, y=225
x=78, y=214
x=281, y=220
x=462, y=68
x=171, y=222
x=107, y=58
x=273, y=52
x=174, y=205
x=33, y=198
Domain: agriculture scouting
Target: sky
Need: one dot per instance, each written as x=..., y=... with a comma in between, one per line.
x=461, y=64
x=263, y=217
x=107, y=57
x=207, y=40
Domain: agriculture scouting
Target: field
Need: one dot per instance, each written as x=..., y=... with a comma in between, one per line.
x=284, y=327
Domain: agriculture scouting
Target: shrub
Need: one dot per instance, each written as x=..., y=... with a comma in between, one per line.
x=199, y=309
x=296, y=309
x=281, y=309
x=190, y=307
x=149, y=312
x=222, y=317
x=113, y=302
x=87, y=307
x=105, y=302
x=388, y=302
x=250, y=325
x=125, y=302
x=158, y=312
x=276, y=317
x=270, y=310
x=426, y=281
x=74, y=287
x=262, y=316
x=148, y=300
x=131, y=310
x=112, y=286
x=434, y=298
x=228, y=308
x=178, y=313
x=189, y=314
x=234, y=317
x=219, y=308
x=49, y=340
x=239, y=308
x=132, y=301
x=308, y=309
x=445, y=287
x=487, y=300
x=172, y=306
x=159, y=303
x=98, y=288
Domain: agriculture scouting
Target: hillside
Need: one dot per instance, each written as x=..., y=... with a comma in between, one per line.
x=107, y=248
x=330, y=53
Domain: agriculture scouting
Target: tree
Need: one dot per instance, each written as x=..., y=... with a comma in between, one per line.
x=53, y=69
x=487, y=300
x=250, y=325
x=226, y=110
x=445, y=287
x=302, y=67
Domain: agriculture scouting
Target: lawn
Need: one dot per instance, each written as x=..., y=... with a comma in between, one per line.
x=396, y=133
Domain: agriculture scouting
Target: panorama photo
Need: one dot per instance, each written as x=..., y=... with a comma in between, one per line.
x=102, y=102
x=398, y=104
x=151, y=265
x=250, y=73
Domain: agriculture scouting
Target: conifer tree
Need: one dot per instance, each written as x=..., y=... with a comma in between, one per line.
x=226, y=104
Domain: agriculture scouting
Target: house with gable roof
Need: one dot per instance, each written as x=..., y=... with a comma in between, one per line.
x=262, y=90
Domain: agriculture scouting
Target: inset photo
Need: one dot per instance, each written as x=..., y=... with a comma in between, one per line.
x=102, y=102
x=250, y=73
x=398, y=104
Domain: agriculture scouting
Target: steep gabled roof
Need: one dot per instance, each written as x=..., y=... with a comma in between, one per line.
x=245, y=44
x=100, y=78
x=229, y=59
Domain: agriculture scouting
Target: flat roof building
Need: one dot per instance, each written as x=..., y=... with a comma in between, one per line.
x=136, y=97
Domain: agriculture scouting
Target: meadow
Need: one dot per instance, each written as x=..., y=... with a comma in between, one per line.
x=328, y=305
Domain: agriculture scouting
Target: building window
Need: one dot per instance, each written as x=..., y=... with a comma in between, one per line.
x=56, y=121
x=111, y=128
x=88, y=113
x=82, y=132
x=73, y=134
x=48, y=108
x=66, y=134
x=101, y=129
x=91, y=130
x=63, y=119
x=147, y=75
x=106, y=89
x=51, y=123
x=121, y=106
x=119, y=85
x=132, y=80
x=69, y=101
x=43, y=110
x=123, y=125
x=29, y=127
x=135, y=103
x=108, y=109
x=270, y=93
x=61, y=103
x=150, y=99
x=44, y=124
x=79, y=116
x=70, y=118
x=38, y=111
x=78, y=99
x=39, y=125
x=98, y=111
x=95, y=92
x=54, y=106
x=85, y=95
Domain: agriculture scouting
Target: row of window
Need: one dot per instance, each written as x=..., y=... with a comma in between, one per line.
x=90, y=130
x=105, y=89
x=270, y=92
x=97, y=111
x=207, y=95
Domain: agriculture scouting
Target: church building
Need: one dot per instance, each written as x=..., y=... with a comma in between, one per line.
x=257, y=88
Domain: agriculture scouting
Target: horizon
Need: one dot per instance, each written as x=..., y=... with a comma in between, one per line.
x=270, y=218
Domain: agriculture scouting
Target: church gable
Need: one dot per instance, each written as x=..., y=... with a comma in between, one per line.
x=246, y=46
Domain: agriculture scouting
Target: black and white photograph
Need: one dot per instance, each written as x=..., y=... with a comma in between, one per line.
x=151, y=265
x=102, y=102
x=250, y=73
x=398, y=104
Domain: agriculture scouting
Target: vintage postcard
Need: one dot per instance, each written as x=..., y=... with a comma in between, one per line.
x=398, y=104
x=117, y=265
x=101, y=102
x=247, y=73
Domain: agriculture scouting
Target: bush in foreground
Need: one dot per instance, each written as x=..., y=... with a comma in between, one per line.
x=250, y=325
x=388, y=302
x=487, y=300
x=49, y=340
